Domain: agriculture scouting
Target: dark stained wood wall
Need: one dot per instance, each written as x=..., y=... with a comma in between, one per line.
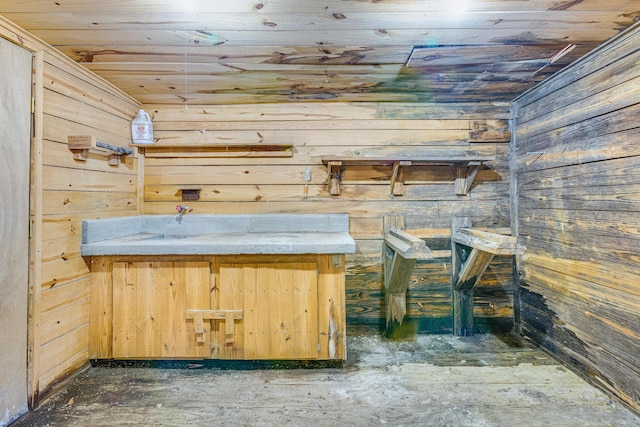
x=578, y=200
x=244, y=182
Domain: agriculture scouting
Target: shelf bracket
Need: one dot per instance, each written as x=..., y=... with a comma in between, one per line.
x=397, y=177
x=466, y=168
x=334, y=169
x=465, y=175
x=82, y=145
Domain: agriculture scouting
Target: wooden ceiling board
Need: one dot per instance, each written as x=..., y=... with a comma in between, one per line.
x=399, y=37
x=304, y=6
x=325, y=21
x=233, y=52
x=241, y=54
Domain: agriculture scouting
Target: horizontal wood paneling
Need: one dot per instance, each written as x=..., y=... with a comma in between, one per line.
x=578, y=203
x=74, y=102
x=276, y=184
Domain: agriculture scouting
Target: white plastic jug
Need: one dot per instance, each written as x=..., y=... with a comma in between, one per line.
x=142, y=129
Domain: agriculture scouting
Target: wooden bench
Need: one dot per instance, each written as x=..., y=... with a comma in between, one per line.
x=401, y=250
x=469, y=266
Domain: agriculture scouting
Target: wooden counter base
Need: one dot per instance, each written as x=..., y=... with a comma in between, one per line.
x=245, y=307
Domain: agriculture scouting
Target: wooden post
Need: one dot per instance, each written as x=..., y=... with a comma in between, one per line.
x=400, y=252
x=397, y=273
x=462, y=298
x=471, y=253
x=513, y=196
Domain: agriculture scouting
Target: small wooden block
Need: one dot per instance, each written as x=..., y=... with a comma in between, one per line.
x=198, y=326
x=333, y=169
x=81, y=142
x=113, y=159
x=229, y=327
x=81, y=155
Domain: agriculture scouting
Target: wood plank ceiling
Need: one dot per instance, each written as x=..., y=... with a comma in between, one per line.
x=253, y=51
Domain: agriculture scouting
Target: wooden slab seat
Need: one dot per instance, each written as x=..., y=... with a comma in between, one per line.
x=401, y=250
x=469, y=266
x=466, y=170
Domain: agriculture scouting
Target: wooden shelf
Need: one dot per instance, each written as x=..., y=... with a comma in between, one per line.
x=466, y=170
x=218, y=150
x=82, y=145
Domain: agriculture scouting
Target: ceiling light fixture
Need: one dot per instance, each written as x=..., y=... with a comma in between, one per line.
x=457, y=7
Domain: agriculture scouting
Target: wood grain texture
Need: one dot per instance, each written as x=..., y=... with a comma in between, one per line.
x=245, y=185
x=68, y=99
x=150, y=303
x=285, y=51
x=15, y=127
x=578, y=206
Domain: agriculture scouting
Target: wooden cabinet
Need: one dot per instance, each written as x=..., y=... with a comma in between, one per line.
x=150, y=301
x=279, y=302
x=251, y=307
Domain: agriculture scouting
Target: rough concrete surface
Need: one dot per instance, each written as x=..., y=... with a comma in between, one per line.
x=430, y=380
x=218, y=235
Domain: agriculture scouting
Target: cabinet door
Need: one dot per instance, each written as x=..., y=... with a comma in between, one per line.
x=280, y=310
x=150, y=302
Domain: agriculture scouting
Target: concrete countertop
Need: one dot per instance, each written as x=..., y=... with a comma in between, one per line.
x=217, y=235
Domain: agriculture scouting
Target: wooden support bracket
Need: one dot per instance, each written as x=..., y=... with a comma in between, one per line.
x=82, y=145
x=397, y=177
x=229, y=317
x=334, y=169
x=465, y=175
x=400, y=253
x=471, y=253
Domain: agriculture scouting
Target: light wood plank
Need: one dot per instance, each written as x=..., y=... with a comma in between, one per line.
x=285, y=7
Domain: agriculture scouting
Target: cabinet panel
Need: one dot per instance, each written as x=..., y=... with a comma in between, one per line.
x=150, y=301
x=280, y=315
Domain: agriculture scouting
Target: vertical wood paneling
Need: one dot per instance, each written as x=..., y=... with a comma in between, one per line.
x=15, y=135
x=279, y=304
x=332, y=330
x=150, y=303
x=252, y=184
x=577, y=197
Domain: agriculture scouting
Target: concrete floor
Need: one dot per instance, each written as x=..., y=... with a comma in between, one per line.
x=431, y=380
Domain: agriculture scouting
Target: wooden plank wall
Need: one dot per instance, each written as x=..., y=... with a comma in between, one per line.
x=246, y=183
x=68, y=100
x=75, y=102
x=578, y=175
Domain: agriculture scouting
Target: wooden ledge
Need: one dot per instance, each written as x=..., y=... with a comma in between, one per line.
x=218, y=150
x=496, y=244
x=406, y=245
x=82, y=145
x=415, y=161
x=466, y=169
